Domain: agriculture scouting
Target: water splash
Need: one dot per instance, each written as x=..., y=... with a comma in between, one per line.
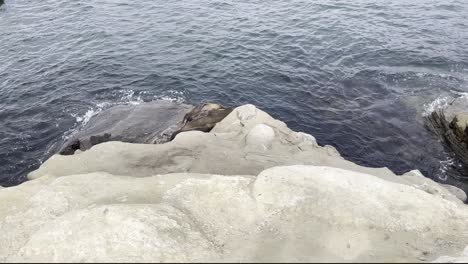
x=442, y=102
x=128, y=97
x=82, y=120
x=444, y=167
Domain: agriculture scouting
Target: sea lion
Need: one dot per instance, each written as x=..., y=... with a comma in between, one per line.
x=203, y=118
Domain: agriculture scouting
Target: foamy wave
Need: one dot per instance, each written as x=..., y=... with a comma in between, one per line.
x=439, y=103
x=442, y=102
x=172, y=96
x=84, y=119
x=444, y=167
x=128, y=98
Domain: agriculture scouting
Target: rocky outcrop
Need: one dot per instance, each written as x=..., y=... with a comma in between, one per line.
x=449, y=123
x=250, y=190
x=235, y=146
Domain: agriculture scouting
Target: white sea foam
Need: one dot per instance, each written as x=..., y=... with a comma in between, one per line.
x=172, y=96
x=128, y=98
x=84, y=119
x=444, y=166
x=442, y=102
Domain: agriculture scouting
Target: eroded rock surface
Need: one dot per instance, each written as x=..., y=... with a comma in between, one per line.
x=251, y=190
x=294, y=213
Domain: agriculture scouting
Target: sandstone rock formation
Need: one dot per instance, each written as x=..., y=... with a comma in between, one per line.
x=251, y=190
x=463, y=258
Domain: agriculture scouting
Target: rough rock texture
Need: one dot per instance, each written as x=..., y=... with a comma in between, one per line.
x=463, y=258
x=145, y=123
x=449, y=123
x=460, y=194
x=295, y=213
x=459, y=124
x=170, y=203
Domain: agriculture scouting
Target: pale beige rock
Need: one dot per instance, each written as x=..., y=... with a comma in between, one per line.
x=295, y=213
x=461, y=259
x=459, y=193
x=260, y=136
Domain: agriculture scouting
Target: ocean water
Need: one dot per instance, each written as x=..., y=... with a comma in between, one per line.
x=358, y=75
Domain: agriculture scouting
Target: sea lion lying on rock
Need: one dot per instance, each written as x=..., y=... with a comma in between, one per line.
x=203, y=118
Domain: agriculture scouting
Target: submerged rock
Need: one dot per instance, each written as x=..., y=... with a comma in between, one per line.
x=144, y=123
x=148, y=123
x=250, y=190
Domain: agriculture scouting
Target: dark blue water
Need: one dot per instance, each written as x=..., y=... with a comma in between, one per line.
x=355, y=74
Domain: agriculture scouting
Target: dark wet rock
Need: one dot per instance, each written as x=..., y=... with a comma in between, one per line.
x=452, y=135
x=450, y=124
x=459, y=126
x=203, y=118
x=146, y=123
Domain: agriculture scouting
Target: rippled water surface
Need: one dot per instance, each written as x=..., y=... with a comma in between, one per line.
x=355, y=74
